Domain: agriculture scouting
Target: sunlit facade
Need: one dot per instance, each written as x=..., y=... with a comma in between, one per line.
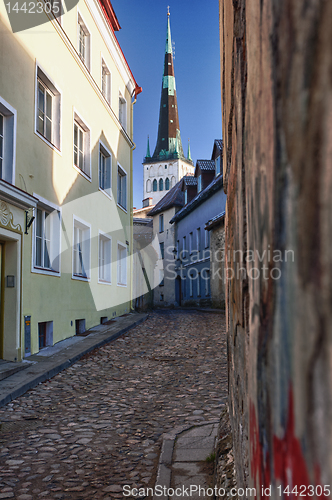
x=66, y=141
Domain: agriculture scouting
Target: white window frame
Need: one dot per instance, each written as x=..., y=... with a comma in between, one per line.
x=122, y=110
x=81, y=24
x=106, y=92
x=86, y=171
x=103, y=150
x=86, y=249
x=198, y=239
x=104, y=269
x=161, y=223
x=9, y=141
x=55, y=93
x=124, y=174
x=118, y=264
x=55, y=246
x=206, y=238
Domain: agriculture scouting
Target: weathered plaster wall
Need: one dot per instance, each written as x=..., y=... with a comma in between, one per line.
x=217, y=282
x=276, y=77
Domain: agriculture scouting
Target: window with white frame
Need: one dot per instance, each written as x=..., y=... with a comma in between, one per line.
x=199, y=183
x=48, y=109
x=198, y=239
x=122, y=111
x=161, y=223
x=105, y=169
x=191, y=243
x=122, y=265
x=122, y=188
x=84, y=42
x=207, y=238
x=218, y=165
x=81, y=250
x=185, y=196
x=81, y=145
x=105, y=82
x=47, y=239
x=104, y=267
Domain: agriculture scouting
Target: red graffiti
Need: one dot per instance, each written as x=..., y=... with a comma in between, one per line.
x=289, y=465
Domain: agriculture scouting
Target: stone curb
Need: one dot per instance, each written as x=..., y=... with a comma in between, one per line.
x=45, y=370
x=166, y=454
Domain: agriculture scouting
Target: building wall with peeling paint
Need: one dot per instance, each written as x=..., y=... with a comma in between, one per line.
x=276, y=68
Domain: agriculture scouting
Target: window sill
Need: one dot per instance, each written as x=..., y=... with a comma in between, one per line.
x=122, y=285
x=49, y=143
x=83, y=174
x=122, y=208
x=104, y=282
x=79, y=277
x=45, y=271
x=105, y=193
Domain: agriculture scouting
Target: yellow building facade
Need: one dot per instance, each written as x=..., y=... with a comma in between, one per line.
x=66, y=141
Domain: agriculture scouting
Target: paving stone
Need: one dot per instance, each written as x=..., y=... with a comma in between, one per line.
x=90, y=431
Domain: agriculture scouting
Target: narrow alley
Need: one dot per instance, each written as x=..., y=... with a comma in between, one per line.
x=97, y=425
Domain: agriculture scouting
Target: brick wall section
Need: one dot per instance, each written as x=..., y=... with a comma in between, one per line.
x=276, y=79
x=217, y=284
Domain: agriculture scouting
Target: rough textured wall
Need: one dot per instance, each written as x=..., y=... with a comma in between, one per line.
x=276, y=76
x=217, y=261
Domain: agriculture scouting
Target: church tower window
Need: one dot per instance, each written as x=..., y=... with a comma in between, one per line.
x=161, y=185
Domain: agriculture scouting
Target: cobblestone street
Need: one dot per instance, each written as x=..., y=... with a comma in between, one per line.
x=98, y=424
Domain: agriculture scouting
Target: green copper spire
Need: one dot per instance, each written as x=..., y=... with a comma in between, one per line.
x=189, y=153
x=148, y=155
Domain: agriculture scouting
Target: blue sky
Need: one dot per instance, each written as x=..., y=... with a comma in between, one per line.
x=195, y=31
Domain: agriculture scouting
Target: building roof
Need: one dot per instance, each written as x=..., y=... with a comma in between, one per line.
x=214, y=186
x=190, y=180
x=206, y=164
x=169, y=144
x=215, y=220
x=174, y=198
x=219, y=143
x=138, y=221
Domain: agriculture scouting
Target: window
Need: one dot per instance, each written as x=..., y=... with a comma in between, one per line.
x=162, y=250
x=191, y=243
x=84, y=42
x=178, y=249
x=105, y=82
x=185, y=196
x=207, y=238
x=190, y=285
x=122, y=111
x=155, y=185
x=198, y=284
x=199, y=183
x=167, y=184
x=161, y=297
x=81, y=146
x=161, y=223
x=198, y=239
x=46, y=232
x=122, y=188
x=161, y=277
x=104, y=267
x=105, y=169
x=148, y=186
x=47, y=240
x=218, y=165
x=184, y=247
x=47, y=109
x=81, y=250
x=122, y=265
x=161, y=185
x=184, y=285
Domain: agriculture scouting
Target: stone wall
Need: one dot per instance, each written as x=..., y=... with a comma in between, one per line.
x=276, y=79
x=217, y=260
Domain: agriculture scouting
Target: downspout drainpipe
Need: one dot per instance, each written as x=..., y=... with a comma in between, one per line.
x=131, y=205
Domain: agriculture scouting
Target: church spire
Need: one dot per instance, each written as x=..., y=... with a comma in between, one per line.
x=148, y=155
x=169, y=143
x=189, y=152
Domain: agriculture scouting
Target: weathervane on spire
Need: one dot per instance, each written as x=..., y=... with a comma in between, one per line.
x=168, y=10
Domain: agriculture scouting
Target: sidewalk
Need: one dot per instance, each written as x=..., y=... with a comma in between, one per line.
x=186, y=462
x=52, y=360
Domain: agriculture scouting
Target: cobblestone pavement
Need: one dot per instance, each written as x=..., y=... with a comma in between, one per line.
x=97, y=425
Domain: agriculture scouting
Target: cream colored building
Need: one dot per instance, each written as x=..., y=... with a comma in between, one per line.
x=66, y=137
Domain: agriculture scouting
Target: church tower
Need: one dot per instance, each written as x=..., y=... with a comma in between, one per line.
x=168, y=164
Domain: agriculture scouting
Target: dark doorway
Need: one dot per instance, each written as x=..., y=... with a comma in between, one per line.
x=178, y=290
